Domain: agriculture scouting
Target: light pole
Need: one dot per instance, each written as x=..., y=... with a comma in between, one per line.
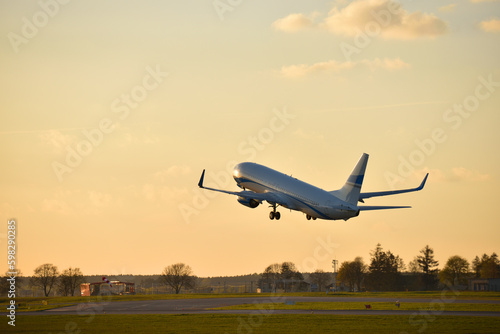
x=334, y=265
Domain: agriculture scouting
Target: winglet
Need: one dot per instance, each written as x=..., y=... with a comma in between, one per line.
x=200, y=184
x=423, y=182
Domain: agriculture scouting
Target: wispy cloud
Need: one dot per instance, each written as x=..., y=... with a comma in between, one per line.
x=172, y=172
x=308, y=135
x=492, y=25
x=387, y=16
x=164, y=194
x=448, y=8
x=56, y=206
x=56, y=140
x=479, y=1
x=99, y=199
x=301, y=70
x=456, y=174
x=294, y=22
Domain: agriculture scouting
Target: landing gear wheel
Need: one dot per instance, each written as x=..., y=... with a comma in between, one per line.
x=273, y=214
x=308, y=217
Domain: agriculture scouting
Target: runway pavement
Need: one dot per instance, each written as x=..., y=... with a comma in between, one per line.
x=206, y=306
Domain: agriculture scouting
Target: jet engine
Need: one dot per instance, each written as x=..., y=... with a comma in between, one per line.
x=251, y=203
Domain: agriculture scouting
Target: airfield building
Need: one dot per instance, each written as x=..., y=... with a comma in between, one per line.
x=103, y=288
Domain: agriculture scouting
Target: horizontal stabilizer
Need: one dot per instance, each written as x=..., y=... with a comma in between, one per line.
x=368, y=208
x=362, y=196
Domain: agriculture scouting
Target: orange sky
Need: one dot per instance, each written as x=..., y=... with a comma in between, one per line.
x=110, y=111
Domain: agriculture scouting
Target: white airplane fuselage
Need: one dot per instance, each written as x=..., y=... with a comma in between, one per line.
x=262, y=184
x=302, y=196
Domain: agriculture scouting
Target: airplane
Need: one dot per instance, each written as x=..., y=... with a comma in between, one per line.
x=260, y=183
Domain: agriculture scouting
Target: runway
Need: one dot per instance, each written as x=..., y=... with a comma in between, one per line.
x=207, y=305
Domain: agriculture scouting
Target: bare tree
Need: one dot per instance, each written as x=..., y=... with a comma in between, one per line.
x=45, y=277
x=271, y=275
x=359, y=269
x=352, y=273
x=320, y=278
x=69, y=280
x=290, y=272
x=346, y=275
x=177, y=276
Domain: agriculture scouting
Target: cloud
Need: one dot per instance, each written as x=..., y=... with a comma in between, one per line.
x=147, y=138
x=58, y=202
x=456, y=174
x=172, y=171
x=448, y=8
x=58, y=206
x=386, y=64
x=294, y=22
x=149, y=192
x=478, y=1
x=385, y=18
x=56, y=140
x=164, y=194
x=492, y=25
x=460, y=173
x=99, y=199
x=308, y=135
x=296, y=71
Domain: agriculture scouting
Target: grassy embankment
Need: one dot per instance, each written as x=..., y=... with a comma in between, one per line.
x=226, y=323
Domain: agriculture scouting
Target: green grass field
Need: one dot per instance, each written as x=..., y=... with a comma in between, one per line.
x=263, y=323
x=37, y=303
x=374, y=306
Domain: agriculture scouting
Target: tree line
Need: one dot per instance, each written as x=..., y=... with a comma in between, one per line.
x=48, y=278
x=386, y=271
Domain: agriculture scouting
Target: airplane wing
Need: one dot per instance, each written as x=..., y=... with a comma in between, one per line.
x=367, y=208
x=362, y=196
x=271, y=197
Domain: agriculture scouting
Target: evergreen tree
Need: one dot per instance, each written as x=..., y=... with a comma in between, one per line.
x=429, y=267
x=384, y=270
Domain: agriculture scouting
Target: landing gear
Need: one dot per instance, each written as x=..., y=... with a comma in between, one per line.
x=309, y=217
x=274, y=214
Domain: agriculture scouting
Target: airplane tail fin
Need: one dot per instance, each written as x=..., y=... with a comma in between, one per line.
x=352, y=188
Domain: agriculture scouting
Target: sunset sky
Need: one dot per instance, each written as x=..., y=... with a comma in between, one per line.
x=111, y=110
